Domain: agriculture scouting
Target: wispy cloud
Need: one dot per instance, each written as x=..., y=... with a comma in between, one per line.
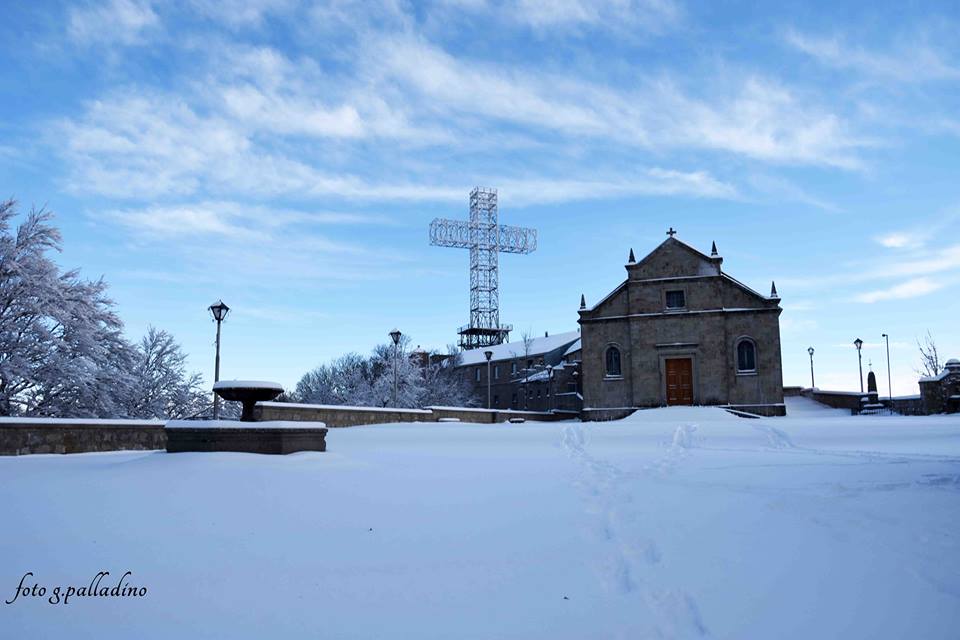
x=256, y=242
x=241, y=13
x=232, y=220
x=649, y=15
x=752, y=116
x=915, y=61
x=902, y=239
x=624, y=17
x=780, y=189
x=909, y=289
x=111, y=21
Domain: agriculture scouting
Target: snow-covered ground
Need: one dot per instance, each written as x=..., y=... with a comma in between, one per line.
x=680, y=522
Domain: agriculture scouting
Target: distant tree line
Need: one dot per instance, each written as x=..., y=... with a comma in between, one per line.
x=423, y=379
x=62, y=350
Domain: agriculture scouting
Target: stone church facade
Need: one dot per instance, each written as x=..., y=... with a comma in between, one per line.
x=680, y=331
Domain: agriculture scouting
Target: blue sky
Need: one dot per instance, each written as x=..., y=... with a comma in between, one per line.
x=288, y=156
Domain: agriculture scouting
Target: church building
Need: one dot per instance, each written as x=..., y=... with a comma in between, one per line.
x=680, y=331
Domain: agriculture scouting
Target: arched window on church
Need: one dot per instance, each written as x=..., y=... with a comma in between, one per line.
x=613, y=361
x=746, y=356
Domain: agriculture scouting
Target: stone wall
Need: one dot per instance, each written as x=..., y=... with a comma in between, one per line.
x=908, y=405
x=601, y=415
x=768, y=410
x=836, y=399
x=340, y=416
x=493, y=415
x=20, y=436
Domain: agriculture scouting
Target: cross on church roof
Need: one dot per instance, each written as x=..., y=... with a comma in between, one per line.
x=672, y=232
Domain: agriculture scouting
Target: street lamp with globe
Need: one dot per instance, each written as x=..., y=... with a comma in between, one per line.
x=395, y=335
x=219, y=312
x=488, y=355
x=858, y=343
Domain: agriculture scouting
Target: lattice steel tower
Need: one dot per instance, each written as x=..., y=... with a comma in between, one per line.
x=486, y=239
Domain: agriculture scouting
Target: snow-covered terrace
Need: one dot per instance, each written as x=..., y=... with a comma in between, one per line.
x=673, y=523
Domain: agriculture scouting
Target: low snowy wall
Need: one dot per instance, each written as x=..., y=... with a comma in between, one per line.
x=465, y=414
x=336, y=415
x=20, y=436
x=342, y=416
x=601, y=415
x=908, y=405
x=836, y=399
x=768, y=410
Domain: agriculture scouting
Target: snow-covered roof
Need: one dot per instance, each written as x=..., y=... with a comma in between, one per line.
x=576, y=346
x=511, y=350
x=937, y=378
x=539, y=376
x=247, y=384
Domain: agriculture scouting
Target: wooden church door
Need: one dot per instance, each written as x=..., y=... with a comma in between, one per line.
x=679, y=381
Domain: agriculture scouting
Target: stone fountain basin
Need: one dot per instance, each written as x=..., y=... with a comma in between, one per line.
x=247, y=392
x=240, y=390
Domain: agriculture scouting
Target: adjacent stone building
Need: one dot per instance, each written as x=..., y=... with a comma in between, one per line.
x=941, y=393
x=678, y=330
x=536, y=374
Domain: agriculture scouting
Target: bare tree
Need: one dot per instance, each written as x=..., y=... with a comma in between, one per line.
x=930, y=364
x=527, y=338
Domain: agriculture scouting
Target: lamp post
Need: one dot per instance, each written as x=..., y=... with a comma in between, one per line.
x=488, y=355
x=858, y=343
x=810, y=351
x=889, y=380
x=395, y=336
x=219, y=311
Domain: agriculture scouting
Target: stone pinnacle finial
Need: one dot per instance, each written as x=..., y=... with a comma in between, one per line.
x=631, y=259
x=713, y=250
x=583, y=302
x=773, y=290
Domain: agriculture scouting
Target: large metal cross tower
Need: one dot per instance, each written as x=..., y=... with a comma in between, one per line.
x=485, y=238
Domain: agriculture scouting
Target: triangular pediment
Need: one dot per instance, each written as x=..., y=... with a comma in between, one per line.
x=674, y=258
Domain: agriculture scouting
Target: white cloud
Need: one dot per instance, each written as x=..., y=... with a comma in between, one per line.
x=291, y=115
x=780, y=189
x=626, y=17
x=251, y=241
x=651, y=182
x=901, y=240
x=231, y=220
x=652, y=15
x=113, y=21
x=931, y=261
x=909, y=289
x=751, y=116
x=912, y=62
x=241, y=13
x=135, y=146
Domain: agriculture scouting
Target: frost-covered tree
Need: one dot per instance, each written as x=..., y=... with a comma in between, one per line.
x=161, y=386
x=409, y=375
x=62, y=352
x=444, y=386
x=346, y=380
x=422, y=380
